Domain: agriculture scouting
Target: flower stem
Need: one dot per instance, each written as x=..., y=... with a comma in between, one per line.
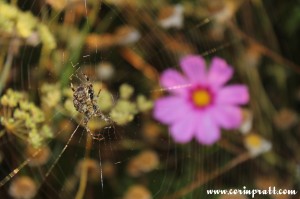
x=84, y=170
x=140, y=64
x=7, y=66
x=264, y=50
x=78, y=49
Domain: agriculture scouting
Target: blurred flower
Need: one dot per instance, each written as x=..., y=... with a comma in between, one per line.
x=95, y=123
x=65, y=128
x=148, y=159
x=75, y=10
x=144, y=162
x=126, y=91
x=67, y=92
x=22, y=188
x=108, y=169
x=98, y=42
x=6, y=25
x=178, y=45
x=222, y=10
x=126, y=35
x=123, y=112
x=93, y=169
x=15, y=45
x=200, y=104
x=247, y=121
x=143, y=104
x=283, y=196
x=137, y=192
x=12, y=98
x=46, y=37
x=105, y=100
x=252, y=56
x=23, y=119
x=69, y=186
x=33, y=39
x=57, y=5
x=133, y=168
x=151, y=131
x=171, y=17
x=79, y=7
x=11, y=17
x=257, y=145
x=8, y=11
x=51, y=95
x=285, y=119
x=264, y=181
x=217, y=32
x=69, y=106
x=39, y=156
x=125, y=109
x=105, y=71
x=26, y=22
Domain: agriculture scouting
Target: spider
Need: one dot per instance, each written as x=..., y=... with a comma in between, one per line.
x=84, y=102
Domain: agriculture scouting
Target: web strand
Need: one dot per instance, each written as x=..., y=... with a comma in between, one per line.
x=63, y=150
x=100, y=163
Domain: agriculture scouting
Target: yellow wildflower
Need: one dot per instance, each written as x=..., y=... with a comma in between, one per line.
x=26, y=23
x=143, y=104
x=46, y=37
x=23, y=119
x=123, y=112
x=126, y=91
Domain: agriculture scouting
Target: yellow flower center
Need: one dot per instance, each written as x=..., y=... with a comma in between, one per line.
x=201, y=97
x=253, y=140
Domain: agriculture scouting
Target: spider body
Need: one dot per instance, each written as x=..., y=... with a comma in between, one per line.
x=85, y=103
x=83, y=100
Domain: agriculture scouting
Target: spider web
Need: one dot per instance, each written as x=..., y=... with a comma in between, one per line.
x=121, y=143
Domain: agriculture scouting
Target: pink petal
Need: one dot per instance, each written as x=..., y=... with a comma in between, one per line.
x=182, y=131
x=207, y=131
x=234, y=94
x=194, y=67
x=170, y=109
x=228, y=117
x=173, y=81
x=219, y=73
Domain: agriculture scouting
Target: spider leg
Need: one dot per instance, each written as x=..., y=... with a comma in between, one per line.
x=98, y=137
x=72, y=87
x=99, y=92
x=103, y=117
x=86, y=77
x=85, y=123
x=98, y=113
x=74, y=71
x=89, y=82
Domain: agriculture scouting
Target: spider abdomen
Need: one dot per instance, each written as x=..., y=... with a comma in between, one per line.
x=82, y=101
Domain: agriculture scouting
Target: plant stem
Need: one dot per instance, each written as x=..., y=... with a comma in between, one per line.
x=264, y=50
x=7, y=66
x=77, y=50
x=84, y=170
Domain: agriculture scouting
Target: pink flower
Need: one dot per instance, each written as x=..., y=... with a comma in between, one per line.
x=200, y=104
